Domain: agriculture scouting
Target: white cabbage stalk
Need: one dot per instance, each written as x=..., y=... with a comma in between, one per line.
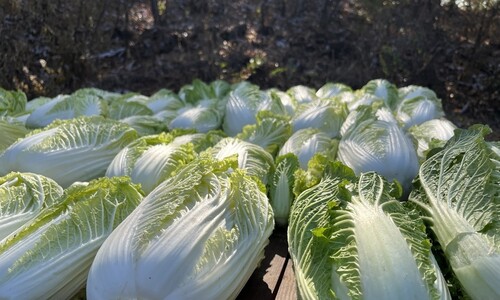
x=243, y=104
x=331, y=89
x=281, y=186
x=325, y=115
x=382, y=89
x=373, y=141
x=65, y=107
x=198, y=235
x=252, y=158
x=202, y=117
x=79, y=149
x=22, y=197
x=10, y=131
x=270, y=132
x=459, y=192
x=50, y=256
x=351, y=239
x=431, y=134
x=305, y=143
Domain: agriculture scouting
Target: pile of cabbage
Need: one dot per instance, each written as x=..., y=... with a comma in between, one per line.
x=176, y=194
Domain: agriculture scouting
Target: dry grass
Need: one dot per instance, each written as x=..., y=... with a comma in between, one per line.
x=50, y=47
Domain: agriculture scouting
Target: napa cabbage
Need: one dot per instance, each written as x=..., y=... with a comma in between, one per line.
x=12, y=103
x=305, y=143
x=350, y=238
x=252, y=158
x=302, y=94
x=50, y=256
x=243, y=104
x=10, y=131
x=325, y=115
x=151, y=159
x=431, y=134
x=78, y=149
x=372, y=140
x=417, y=105
x=382, y=89
x=270, y=131
x=458, y=190
x=65, y=107
x=22, y=197
x=203, y=117
x=281, y=186
x=199, y=235
x=331, y=89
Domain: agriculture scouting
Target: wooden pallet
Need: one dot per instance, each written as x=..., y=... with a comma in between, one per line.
x=274, y=279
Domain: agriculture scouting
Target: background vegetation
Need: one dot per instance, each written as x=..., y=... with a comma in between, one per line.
x=48, y=47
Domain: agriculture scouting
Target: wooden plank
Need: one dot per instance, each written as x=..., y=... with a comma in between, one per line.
x=288, y=288
x=265, y=281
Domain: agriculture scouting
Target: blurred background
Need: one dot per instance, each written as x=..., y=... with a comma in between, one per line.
x=49, y=47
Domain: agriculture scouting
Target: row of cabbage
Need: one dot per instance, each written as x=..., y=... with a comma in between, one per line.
x=175, y=195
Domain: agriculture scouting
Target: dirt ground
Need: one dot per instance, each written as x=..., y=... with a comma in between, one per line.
x=52, y=47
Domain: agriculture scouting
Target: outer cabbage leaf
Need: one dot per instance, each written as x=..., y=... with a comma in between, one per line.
x=281, y=187
x=151, y=159
x=354, y=240
x=305, y=143
x=102, y=94
x=22, y=197
x=458, y=188
x=417, y=105
x=252, y=158
x=383, y=89
x=199, y=91
x=431, y=134
x=200, y=141
x=164, y=99
x=65, y=107
x=270, y=132
x=199, y=235
x=127, y=105
x=202, y=117
x=331, y=89
x=325, y=115
x=50, y=256
x=375, y=142
x=146, y=125
x=415, y=91
x=12, y=102
x=79, y=149
x=243, y=104
x=10, y=131
x=360, y=98
x=289, y=104
x=302, y=94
